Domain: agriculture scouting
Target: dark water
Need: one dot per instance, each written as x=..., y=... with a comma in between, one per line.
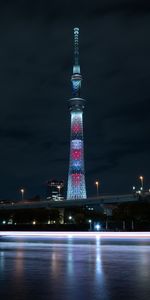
x=72, y=269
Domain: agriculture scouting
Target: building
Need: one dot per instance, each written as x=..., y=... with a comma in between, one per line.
x=55, y=190
x=76, y=188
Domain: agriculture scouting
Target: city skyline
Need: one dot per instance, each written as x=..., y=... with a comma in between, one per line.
x=36, y=60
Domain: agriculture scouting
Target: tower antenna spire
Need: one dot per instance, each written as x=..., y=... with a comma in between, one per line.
x=76, y=67
x=76, y=46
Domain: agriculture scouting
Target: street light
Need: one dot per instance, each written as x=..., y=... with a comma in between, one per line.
x=133, y=189
x=90, y=222
x=142, y=182
x=98, y=227
x=70, y=220
x=59, y=187
x=22, y=194
x=97, y=187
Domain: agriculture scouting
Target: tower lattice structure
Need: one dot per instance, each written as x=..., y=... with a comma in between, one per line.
x=76, y=177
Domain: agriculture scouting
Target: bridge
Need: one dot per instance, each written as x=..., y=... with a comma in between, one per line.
x=89, y=202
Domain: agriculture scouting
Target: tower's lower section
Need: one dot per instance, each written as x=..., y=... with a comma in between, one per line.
x=76, y=187
x=76, y=177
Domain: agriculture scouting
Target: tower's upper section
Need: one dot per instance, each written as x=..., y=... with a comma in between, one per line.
x=76, y=103
x=76, y=67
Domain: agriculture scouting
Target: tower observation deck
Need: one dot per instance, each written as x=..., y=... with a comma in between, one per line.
x=76, y=177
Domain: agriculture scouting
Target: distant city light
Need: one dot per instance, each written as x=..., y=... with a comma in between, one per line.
x=142, y=182
x=22, y=194
x=97, y=187
x=59, y=187
x=97, y=227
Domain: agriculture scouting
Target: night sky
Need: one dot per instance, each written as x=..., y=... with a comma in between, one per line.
x=36, y=58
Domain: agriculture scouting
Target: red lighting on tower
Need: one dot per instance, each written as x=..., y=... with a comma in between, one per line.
x=76, y=128
x=76, y=154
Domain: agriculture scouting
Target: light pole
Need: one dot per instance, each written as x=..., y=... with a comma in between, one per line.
x=133, y=189
x=97, y=187
x=106, y=224
x=22, y=194
x=70, y=219
x=132, y=225
x=90, y=222
x=124, y=225
x=59, y=187
x=142, y=182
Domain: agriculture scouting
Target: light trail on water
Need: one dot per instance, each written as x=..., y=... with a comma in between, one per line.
x=75, y=234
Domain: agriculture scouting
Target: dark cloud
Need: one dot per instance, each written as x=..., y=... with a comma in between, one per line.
x=35, y=68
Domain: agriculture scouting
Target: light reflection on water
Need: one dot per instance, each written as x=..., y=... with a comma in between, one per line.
x=74, y=269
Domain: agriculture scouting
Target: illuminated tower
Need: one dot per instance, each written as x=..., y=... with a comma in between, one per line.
x=76, y=177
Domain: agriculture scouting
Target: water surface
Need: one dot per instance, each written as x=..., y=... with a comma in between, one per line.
x=73, y=269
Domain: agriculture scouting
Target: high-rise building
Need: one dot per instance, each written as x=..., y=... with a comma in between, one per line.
x=55, y=189
x=76, y=178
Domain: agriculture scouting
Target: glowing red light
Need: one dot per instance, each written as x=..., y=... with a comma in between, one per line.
x=76, y=128
x=76, y=178
x=76, y=154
